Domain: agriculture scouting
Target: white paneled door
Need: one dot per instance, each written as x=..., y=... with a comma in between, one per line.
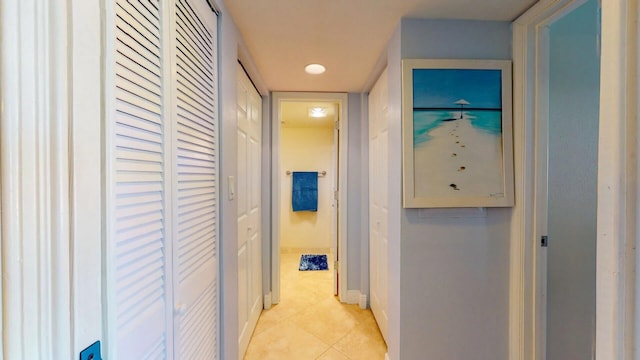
x=249, y=193
x=334, y=203
x=378, y=201
x=161, y=180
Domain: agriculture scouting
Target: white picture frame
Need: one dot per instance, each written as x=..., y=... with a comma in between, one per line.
x=457, y=133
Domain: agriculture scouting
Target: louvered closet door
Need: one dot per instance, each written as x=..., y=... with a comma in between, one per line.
x=195, y=182
x=138, y=298
x=161, y=168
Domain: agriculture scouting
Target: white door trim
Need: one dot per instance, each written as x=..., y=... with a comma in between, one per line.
x=342, y=100
x=527, y=298
x=35, y=178
x=617, y=335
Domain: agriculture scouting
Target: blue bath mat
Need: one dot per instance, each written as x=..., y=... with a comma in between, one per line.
x=313, y=262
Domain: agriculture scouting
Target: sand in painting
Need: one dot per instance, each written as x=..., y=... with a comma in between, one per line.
x=459, y=159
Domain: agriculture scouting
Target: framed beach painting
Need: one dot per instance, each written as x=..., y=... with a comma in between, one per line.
x=457, y=133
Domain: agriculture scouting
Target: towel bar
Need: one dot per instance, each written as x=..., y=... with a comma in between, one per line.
x=320, y=173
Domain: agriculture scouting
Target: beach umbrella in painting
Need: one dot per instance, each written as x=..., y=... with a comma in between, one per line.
x=462, y=103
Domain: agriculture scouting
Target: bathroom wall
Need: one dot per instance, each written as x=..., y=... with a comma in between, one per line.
x=307, y=149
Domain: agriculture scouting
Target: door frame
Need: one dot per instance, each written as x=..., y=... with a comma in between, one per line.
x=617, y=299
x=528, y=264
x=342, y=100
x=38, y=117
x=617, y=173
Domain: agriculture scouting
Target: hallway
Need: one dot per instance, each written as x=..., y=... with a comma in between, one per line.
x=310, y=323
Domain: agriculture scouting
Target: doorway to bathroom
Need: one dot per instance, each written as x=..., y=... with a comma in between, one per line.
x=309, y=136
x=557, y=63
x=570, y=190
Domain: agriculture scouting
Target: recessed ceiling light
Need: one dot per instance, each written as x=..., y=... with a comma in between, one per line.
x=317, y=112
x=314, y=69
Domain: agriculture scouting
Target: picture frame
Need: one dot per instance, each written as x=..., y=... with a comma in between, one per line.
x=457, y=133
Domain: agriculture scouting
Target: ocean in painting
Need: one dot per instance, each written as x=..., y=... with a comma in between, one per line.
x=424, y=121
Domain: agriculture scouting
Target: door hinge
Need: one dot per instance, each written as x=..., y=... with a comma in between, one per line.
x=337, y=125
x=544, y=241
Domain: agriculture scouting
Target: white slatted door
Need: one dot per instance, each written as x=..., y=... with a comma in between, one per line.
x=161, y=185
x=249, y=114
x=196, y=165
x=378, y=201
x=139, y=295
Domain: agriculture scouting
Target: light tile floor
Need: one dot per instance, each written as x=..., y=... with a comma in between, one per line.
x=310, y=323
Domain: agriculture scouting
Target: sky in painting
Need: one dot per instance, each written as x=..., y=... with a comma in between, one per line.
x=441, y=88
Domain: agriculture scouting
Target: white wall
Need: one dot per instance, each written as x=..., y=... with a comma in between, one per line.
x=448, y=277
x=358, y=190
x=232, y=48
x=229, y=37
x=307, y=149
x=454, y=272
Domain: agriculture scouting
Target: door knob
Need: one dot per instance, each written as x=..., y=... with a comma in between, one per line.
x=180, y=309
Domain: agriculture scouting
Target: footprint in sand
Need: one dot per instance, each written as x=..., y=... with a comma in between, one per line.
x=454, y=186
x=462, y=168
x=454, y=155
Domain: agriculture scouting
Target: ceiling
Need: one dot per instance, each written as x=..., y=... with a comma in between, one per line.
x=346, y=36
x=296, y=114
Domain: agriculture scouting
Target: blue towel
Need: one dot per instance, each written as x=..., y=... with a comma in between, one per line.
x=304, y=191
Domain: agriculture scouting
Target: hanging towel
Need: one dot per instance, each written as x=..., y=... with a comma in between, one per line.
x=304, y=191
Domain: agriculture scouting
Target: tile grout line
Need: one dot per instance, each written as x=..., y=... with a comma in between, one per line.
x=298, y=283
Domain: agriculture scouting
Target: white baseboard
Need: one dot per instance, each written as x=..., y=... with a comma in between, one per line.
x=355, y=297
x=267, y=301
x=352, y=296
x=362, y=301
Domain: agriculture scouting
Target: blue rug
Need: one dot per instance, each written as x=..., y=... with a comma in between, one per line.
x=313, y=262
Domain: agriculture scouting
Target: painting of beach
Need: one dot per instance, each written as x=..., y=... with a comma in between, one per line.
x=457, y=134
